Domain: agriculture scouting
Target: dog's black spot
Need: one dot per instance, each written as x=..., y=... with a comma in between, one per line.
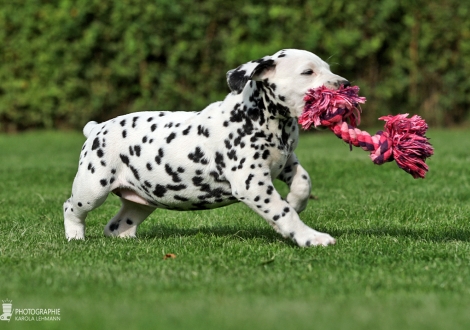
x=129, y=222
x=104, y=182
x=198, y=156
x=197, y=180
x=180, y=198
x=265, y=154
x=135, y=172
x=186, y=131
x=219, y=159
x=96, y=144
x=270, y=189
x=170, y=137
x=159, y=190
x=176, y=187
x=159, y=157
x=124, y=159
x=248, y=180
x=240, y=165
x=202, y=131
x=232, y=154
x=173, y=174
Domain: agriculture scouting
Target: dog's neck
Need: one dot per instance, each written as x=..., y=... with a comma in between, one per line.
x=259, y=108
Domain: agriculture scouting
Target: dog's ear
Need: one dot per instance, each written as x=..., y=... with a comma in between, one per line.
x=254, y=70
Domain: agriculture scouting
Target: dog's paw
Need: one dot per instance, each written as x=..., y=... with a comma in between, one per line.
x=74, y=236
x=313, y=238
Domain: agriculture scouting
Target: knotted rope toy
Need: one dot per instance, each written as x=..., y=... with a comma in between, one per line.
x=402, y=140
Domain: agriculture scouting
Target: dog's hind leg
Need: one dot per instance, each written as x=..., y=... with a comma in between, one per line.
x=126, y=221
x=86, y=196
x=298, y=180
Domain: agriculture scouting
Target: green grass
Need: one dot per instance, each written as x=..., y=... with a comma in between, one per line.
x=402, y=258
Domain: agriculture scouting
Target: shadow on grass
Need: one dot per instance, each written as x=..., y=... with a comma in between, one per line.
x=163, y=231
x=270, y=236
x=431, y=235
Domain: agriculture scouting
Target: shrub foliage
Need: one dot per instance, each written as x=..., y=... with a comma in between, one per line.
x=65, y=62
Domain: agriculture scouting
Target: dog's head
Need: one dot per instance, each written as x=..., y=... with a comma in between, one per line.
x=289, y=73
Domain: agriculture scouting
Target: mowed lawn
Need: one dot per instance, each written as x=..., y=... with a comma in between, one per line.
x=402, y=258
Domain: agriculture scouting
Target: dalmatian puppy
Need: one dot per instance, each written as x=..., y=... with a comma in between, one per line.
x=229, y=152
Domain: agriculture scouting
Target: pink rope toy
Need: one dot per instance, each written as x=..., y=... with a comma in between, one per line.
x=402, y=140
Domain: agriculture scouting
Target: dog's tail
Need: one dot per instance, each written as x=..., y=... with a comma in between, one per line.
x=88, y=128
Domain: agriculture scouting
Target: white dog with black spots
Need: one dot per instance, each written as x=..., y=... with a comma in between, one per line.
x=229, y=152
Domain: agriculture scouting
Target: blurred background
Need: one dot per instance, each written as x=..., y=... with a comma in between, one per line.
x=63, y=62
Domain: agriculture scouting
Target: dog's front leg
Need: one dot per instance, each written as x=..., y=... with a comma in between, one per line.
x=256, y=191
x=298, y=180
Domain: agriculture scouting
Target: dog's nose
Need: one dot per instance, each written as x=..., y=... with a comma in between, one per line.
x=345, y=83
x=335, y=84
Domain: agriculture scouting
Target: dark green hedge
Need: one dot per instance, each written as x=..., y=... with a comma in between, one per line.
x=65, y=62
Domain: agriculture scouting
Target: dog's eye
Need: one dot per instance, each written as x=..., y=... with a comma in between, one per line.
x=307, y=72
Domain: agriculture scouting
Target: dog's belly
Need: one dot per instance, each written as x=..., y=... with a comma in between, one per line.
x=179, y=197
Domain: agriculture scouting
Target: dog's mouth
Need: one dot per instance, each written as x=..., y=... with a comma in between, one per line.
x=325, y=107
